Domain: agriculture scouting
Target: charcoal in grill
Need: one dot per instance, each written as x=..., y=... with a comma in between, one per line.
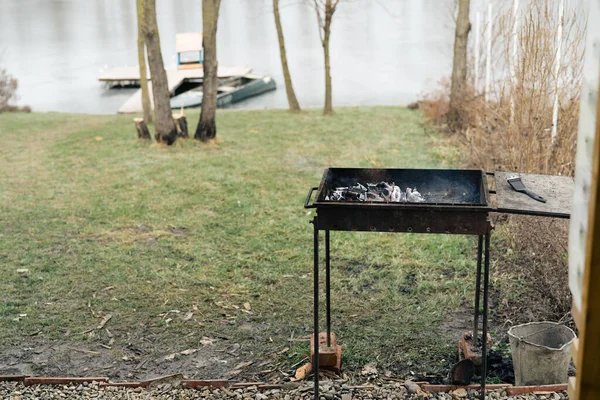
x=379, y=192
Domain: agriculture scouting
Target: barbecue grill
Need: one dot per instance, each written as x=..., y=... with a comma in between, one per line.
x=455, y=202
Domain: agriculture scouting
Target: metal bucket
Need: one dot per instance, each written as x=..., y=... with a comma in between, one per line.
x=541, y=352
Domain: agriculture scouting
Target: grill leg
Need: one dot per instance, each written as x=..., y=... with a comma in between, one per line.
x=316, y=309
x=327, y=288
x=486, y=279
x=477, y=288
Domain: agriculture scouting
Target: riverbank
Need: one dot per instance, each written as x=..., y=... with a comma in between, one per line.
x=131, y=260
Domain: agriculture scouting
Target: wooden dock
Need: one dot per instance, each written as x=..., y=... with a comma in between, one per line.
x=175, y=78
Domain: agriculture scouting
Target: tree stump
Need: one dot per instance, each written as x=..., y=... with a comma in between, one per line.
x=181, y=125
x=142, y=129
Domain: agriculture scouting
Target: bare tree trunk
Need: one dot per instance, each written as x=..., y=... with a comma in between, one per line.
x=324, y=17
x=459, y=65
x=207, y=126
x=328, y=110
x=142, y=62
x=164, y=127
x=289, y=88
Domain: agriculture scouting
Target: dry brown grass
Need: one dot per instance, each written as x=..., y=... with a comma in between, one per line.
x=497, y=137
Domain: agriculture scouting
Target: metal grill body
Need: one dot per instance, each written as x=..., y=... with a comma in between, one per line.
x=456, y=202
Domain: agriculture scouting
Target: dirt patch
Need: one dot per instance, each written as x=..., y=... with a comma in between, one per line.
x=127, y=362
x=354, y=268
x=457, y=322
x=500, y=367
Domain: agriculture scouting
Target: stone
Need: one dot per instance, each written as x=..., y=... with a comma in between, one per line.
x=460, y=393
x=412, y=387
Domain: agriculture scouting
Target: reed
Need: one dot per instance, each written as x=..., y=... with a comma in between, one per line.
x=518, y=137
x=512, y=131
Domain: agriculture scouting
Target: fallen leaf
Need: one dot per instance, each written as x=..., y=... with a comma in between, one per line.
x=99, y=138
x=171, y=356
x=243, y=365
x=206, y=341
x=188, y=352
x=369, y=369
x=106, y=318
x=188, y=316
x=22, y=271
x=247, y=306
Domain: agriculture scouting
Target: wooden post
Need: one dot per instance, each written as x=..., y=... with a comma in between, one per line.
x=181, y=124
x=584, y=235
x=142, y=129
x=586, y=349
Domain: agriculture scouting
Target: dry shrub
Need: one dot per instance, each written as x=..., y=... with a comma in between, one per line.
x=435, y=104
x=8, y=90
x=533, y=269
x=503, y=137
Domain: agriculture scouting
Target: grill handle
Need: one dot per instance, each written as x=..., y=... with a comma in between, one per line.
x=310, y=192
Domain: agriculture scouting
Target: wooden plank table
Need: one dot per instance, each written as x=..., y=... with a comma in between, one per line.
x=557, y=190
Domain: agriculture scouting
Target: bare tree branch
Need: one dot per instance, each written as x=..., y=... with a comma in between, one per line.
x=320, y=21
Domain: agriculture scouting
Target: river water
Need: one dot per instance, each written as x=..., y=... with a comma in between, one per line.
x=382, y=51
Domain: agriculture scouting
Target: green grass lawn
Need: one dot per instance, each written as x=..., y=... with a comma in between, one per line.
x=173, y=241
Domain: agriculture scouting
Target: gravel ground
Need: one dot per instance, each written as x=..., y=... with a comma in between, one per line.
x=329, y=391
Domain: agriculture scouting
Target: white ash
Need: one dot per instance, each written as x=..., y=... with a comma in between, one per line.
x=380, y=192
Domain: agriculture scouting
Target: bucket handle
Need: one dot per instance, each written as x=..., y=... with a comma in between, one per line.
x=559, y=323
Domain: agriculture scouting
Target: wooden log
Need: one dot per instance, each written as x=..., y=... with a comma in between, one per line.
x=142, y=129
x=181, y=125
